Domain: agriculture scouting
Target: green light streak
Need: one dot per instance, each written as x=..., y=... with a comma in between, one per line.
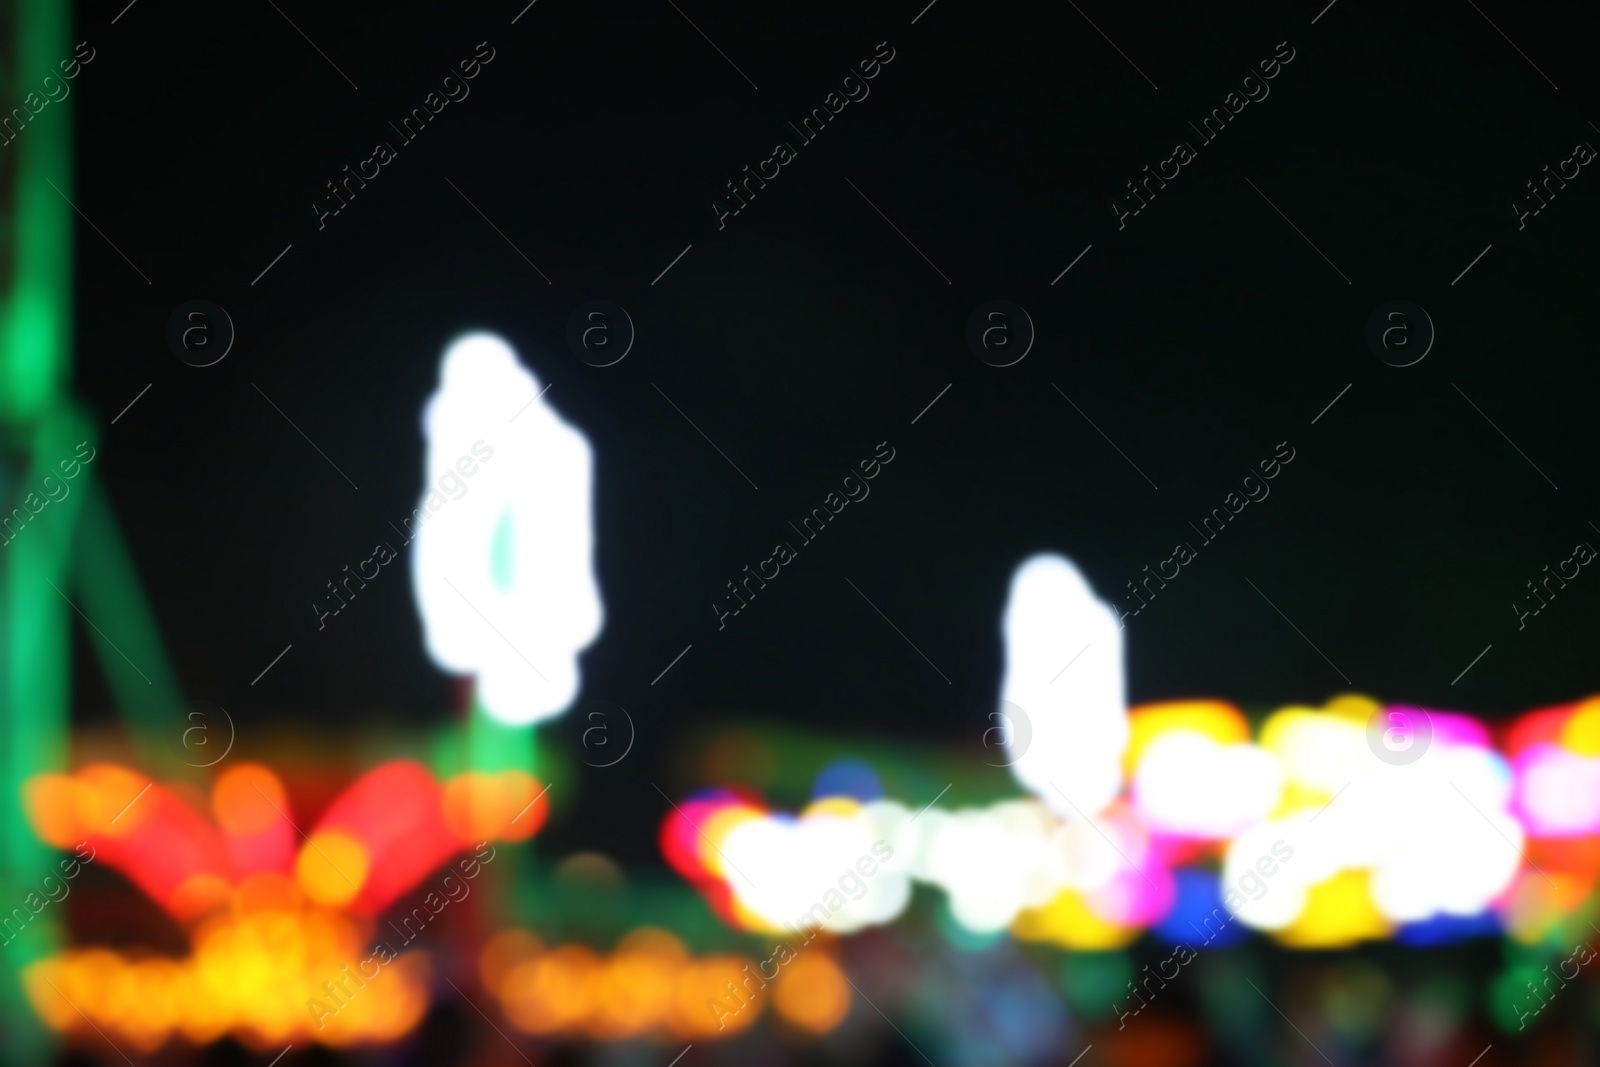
x=36, y=314
x=35, y=334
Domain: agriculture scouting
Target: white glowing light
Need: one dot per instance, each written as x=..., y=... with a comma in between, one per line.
x=820, y=869
x=1436, y=836
x=1064, y=670
x=1190, y=785
x=1273, y=902
x=991, y=862
x=1323, y=752
x=1559, y=792
x=1444, y=840
x=503, y=568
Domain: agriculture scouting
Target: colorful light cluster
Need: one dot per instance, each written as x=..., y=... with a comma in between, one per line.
x=272, y=916
x=651, y=986
x=252, y=969
x=1206, y=812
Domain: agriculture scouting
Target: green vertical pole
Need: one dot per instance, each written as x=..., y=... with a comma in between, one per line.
x=36, y=234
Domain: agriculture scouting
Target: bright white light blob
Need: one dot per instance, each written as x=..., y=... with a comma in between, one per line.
x=1558, y=793
x=1190, y=785
x=820, y=869
x=503, y=568
x=1436, y=836
x=1079, y=713
x=991, y=862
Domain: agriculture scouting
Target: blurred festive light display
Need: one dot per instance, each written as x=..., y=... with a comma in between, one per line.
x=1374, y=850
x=1295, y=826
x=1178, y=789
x=282, y=931
x=1174, y=819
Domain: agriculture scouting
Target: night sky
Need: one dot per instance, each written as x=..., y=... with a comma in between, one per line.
x=1173, y=357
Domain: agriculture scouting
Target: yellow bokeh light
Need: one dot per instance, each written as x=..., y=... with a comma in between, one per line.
x=479, y=806
x=331, y=868
x=52, y=806
x=105, y=800
x=554, y=991
x=840, y=807
x=1069, y=922
x=253, y=972
x=1581, y=734
x=1339, y=912
x=501, y=953
x=1220, y=721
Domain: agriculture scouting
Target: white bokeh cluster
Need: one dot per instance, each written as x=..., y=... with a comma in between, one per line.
x=1436, y=836
x=991, y=862
x=1558, y=792
x=504, y=573
x=1190, y=785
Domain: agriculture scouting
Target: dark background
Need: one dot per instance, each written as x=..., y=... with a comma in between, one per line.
x=808, y=331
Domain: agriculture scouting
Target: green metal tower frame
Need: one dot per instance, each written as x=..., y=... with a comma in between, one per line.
x=36, y=421
x=70, y=555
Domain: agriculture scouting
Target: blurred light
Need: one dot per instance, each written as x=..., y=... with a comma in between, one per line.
x=1534, y=907
x=1448, y=930
x=1541, y=724
x=506, y=806
x=1220, y=721
x=248, y=798
x=1581, y=734
x=848, y=778
x=51, y=803
x=1135, y=897
x=1339, y=913
x=395, y=813
x=252, y=807
x=1093, y=982
x=591, y=869
x=1068, y=922
x=1557, y=792
x=503, y=568
x=251, y=974
x=649, y=986
x=552, y=992
x=332, y=867
x=1189, y=784
x=812, y=993
x=1064, y=670
x=1197, y=899
x=818, y=869
x=502, y=952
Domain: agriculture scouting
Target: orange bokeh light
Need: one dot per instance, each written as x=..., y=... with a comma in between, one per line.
x=248, y=798
x=478, y=806
x=332, y=867
x=811, y=992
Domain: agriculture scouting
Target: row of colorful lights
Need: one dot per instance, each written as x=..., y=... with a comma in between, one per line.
x=1296, y=829
x=1299, y=829
x=282, y=931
